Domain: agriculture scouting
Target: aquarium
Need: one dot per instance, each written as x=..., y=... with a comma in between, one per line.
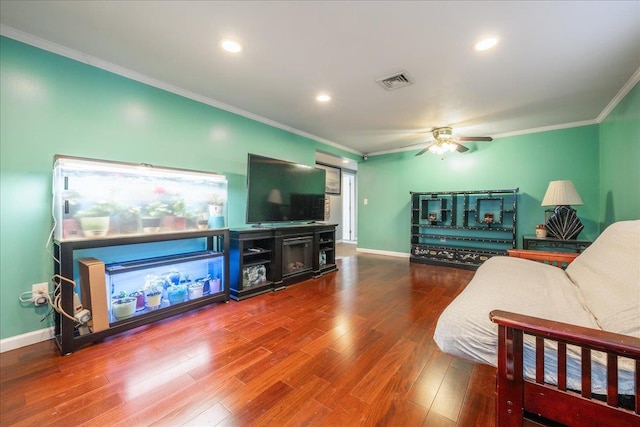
x=143, y=286
x=95, y=198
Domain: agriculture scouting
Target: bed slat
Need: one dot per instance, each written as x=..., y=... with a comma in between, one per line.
x=540, y=360
x=562, y=366
x=637, y=399
x=586, y=372
x=612, y=380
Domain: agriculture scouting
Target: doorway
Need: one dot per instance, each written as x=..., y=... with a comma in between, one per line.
x=349, y=228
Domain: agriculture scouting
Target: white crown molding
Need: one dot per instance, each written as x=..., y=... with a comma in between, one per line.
x=399, y=150
x=548, y=128
x=635, y=78
x=38, y=42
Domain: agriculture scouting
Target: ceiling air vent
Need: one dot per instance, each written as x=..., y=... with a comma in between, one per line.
x=395, y=81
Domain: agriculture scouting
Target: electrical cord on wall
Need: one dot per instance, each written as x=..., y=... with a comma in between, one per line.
x=53, y=225
x=30, y=294
x=56, y=302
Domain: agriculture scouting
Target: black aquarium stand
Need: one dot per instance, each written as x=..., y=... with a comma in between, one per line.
x=68, y=336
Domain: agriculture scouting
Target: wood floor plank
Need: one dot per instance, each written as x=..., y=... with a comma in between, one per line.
x=211, y=417
x=451, y=394
x=309, y=414
x=426, y=387
x=377, y=377
x=351, y=348
x=252, y=409
x=258, y=382
x=132, y=408
x=477, y=407
x=287, y=407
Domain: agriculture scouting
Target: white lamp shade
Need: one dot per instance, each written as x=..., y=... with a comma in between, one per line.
x=561, y=193
x=275, y=197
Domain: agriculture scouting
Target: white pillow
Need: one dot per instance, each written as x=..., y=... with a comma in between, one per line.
x=607, y=274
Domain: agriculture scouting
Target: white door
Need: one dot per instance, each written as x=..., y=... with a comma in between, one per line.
x=349, y=233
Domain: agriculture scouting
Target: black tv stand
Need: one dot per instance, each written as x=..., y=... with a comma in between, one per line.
x=257, y=257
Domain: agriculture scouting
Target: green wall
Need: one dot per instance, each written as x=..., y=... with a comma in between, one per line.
x=51, y=105
x=620, y=161
x=527, y=162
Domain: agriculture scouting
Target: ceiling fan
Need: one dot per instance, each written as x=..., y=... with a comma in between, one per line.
x=445, y=141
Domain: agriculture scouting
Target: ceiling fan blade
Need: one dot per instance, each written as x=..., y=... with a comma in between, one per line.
x=424, y=150
x=461, y=148
x=475, y=138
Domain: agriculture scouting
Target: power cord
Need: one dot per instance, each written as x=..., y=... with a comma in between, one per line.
x=53, y=225
x=56, y=302
x=30, y=294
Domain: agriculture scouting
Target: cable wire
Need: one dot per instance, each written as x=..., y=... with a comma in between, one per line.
x=55, y=222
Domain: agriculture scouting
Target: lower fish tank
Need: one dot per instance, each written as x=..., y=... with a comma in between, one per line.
x=142, y=286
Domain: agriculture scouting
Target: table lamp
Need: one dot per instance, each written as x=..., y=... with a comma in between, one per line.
x=563, y=223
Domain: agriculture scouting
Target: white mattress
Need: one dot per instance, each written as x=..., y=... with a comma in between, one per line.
x=521, y=286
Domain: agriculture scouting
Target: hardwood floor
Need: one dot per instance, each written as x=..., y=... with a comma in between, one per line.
x=352, y=348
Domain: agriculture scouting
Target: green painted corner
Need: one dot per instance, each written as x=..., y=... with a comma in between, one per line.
x=51, y=105
x=527, y=162
x=620, y=161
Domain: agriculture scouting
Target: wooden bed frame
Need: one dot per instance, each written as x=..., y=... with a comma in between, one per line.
x=557, y=259
x=516, y=395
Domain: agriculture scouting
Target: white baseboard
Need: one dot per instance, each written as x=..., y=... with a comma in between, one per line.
x=24, y=340
x=379, y=252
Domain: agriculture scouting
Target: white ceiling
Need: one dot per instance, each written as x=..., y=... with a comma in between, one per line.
x=557, y=63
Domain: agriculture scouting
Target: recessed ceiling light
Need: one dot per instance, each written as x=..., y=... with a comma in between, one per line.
x=486, y=43
x=345, y=161
x=231, y=45
x=323, y=97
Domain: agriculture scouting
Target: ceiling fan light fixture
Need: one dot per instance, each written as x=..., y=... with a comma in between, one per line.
x=442, y=147
x=487, y=43
x=231, y=46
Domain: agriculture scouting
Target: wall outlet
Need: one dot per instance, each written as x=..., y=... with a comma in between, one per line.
x=38, y=292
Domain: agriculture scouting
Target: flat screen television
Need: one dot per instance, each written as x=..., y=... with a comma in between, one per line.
x=281, y=191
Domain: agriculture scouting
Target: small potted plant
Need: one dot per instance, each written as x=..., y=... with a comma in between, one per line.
x=139, y=296
x=153, y=292
x=152, y=215
x=195, y=289
x=176, y=293
x=95, y=220
x=123, y=306
x=215, y=284
x=216, y=211
x=127, y=220
x=541, y=231
x=175, y=219
x=206, y=284
x=173, y=276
